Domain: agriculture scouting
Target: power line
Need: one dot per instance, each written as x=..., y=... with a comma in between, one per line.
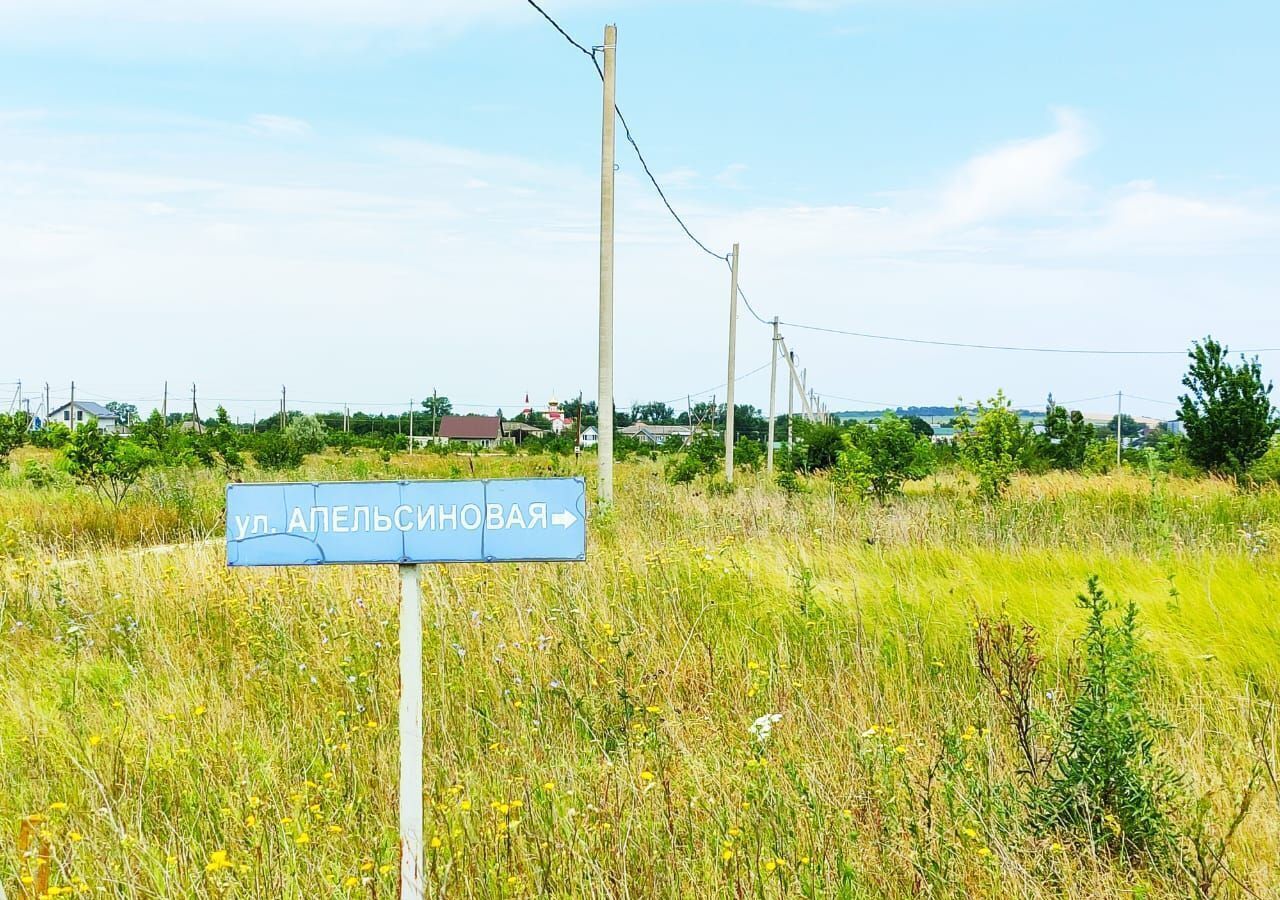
x=626, y=130
x=718, y=386
x=1002, y=347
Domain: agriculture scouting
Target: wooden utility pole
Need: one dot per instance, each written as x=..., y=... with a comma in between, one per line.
x=73, y=406
x=411, y=426
x=435, y=411
x=604, y=406
x=283, y=408
x=773, y=391
x=48, y=410
x=195, y=421
x=164, y=405
x=733, y=347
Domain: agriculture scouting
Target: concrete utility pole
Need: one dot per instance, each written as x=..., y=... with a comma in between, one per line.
x=773, y=391
x=1119, y=421
x=733, y=347
x=791, y=398
x=73, y=405
x=47, y=409
x=604, y=406
x=283, y=408
x=164, y=405
x=195, y=420
x=435, y=410
x=411, y=426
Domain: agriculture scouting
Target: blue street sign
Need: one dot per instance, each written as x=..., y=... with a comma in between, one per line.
x=351, y=522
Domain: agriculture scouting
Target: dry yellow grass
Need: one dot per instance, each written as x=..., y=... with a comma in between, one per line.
x=188, y=730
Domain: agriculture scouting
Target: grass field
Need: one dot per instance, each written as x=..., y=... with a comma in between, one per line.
x=180, y=729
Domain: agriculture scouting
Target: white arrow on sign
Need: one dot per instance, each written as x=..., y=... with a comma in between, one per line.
x=565, y=518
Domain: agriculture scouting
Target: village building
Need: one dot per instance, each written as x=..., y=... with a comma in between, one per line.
x=657, y=434
x=478, y=431
x=73, y=415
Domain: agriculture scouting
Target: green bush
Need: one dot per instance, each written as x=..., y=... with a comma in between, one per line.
x=992, y=445
x=1109, y=782
x=880, y=456
x=277, y=452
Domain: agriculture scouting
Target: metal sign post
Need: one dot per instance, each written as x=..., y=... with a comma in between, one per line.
x=407, y=523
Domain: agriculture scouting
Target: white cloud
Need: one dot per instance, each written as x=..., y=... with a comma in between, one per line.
x=349, y=267
x=204, y=12
x=1027, y=177
x=279, y=126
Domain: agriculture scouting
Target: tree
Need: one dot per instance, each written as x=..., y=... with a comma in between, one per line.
x=822, y=444
x=277, y=450
x=880, y=456
x=307, y=432
x=125, y=412
x=13, y=432
x=1068, y=436
x=920, y=426
x=219, y=445
x=108, y=463
x=1129, y=427
x=437, y=408
x=654, y=413
x=991, y=445
x=1227, y=412
x=171, y=445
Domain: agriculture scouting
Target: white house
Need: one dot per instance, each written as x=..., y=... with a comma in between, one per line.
x=590, y=436
x=657, y=434
x=75, y=415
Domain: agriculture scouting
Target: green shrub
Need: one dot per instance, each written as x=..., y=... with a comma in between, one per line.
x=991, y=445
x=277, y=452
x=38, y=474
x=1108, y=782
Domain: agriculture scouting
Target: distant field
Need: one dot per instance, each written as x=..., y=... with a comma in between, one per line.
x=189, y=730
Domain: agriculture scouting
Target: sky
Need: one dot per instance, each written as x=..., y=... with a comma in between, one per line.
x=368, y=201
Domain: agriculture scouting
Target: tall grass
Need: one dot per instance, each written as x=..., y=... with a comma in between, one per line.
x=226, y=733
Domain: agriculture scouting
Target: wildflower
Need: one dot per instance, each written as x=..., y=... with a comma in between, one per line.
x=75, y=836
x=59, y=806
x=653, y=709
x=548, y=786
x=95, y=740
x=1055, y=847
x=351, y=881
x=726, y=854
x=646, y=775
x=435, y=842
x=302, y=839
x=217, y=861
x=334, y=829
x=984, y=852
x=762, y=727
x=199, y=710
x=251, y=821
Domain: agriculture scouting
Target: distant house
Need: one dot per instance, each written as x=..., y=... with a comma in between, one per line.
x=590, y=436
x=519, y=432
x=479, y=431
x=657, y=434
x=1173, y=426
x=75, y=415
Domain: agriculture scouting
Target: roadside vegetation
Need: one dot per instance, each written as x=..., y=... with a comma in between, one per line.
x=994, y=669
